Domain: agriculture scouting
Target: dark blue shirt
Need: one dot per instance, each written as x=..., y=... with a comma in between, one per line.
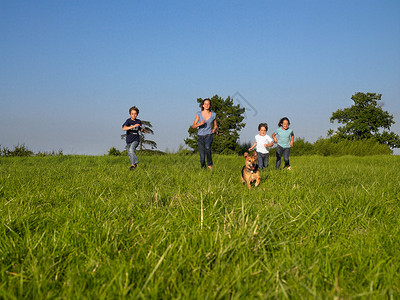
x=132, y=134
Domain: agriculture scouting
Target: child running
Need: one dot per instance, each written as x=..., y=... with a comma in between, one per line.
x=263, y=141
x=132, y=127
x=284, y=137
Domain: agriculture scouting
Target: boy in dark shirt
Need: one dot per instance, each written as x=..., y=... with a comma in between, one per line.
x=132, y=127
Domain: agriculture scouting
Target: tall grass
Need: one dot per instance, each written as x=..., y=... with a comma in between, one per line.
x=87, y=227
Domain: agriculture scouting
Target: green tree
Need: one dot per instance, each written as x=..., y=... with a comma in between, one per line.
x=229, y=120
x=365, y=120
x=147, y=127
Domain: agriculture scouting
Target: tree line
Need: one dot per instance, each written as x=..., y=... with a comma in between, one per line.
x=365, y=130
x=365, y=125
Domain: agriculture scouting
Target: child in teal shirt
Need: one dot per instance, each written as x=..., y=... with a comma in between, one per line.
x=284, y=137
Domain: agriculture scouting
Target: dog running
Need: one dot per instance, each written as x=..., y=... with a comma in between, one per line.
x=250, y=170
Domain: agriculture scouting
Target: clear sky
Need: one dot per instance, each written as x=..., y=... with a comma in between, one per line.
x=70, y=70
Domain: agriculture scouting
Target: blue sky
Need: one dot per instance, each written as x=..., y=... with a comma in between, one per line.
x=70, y=70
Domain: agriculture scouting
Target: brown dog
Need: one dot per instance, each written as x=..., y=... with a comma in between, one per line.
x=250, y=170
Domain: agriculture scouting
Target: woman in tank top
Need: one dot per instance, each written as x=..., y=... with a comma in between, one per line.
x=206, y=123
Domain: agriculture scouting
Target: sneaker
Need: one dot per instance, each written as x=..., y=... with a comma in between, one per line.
x=289, y=168
x=132, y=168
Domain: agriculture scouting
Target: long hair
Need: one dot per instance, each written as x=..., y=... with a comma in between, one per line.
x=281, y=121
x=202, y=103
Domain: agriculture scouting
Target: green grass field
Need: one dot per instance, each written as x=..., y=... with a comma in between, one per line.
x=87, y=227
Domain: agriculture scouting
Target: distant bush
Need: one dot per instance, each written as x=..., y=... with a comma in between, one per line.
x=184, y=151
x=19, y=150
x=51, y=153
x=327, y=147
x=244, y=147
x=22, y=150
x=301, y=147
x=114, y=152
x=148, y=152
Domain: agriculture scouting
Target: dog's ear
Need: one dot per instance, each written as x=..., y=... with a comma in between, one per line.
x=255, y=154
x=246, y=154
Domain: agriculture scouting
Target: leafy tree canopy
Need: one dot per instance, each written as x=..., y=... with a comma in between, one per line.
x=365, y=120
x=229, y=120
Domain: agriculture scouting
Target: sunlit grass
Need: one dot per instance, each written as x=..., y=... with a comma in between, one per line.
x=87, y=227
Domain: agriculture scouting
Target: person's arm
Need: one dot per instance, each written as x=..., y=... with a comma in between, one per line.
x=271, y=142
x=252, y=147
x=125, y=128
x=269, y=145
x=274, y=137
x=196, y=122
x=215, y=126
x=291, y=140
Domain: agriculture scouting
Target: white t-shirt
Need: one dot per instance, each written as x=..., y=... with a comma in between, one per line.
x=261, y=141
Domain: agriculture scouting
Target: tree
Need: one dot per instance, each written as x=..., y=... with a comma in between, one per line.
x=365, y=120
x=229, y=119
x=146, y=126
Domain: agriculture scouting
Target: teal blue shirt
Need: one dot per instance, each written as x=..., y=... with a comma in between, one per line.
x=284, y=137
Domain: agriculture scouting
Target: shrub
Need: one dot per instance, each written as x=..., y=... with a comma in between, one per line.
x=52, y=153
x=148, y=152
x=301, y=147
x=184, y=151
x=19, y=150
x=327, y=147
x=114, y=152
x=244, y=147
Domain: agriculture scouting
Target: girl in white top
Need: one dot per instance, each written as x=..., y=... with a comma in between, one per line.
x=263, y=141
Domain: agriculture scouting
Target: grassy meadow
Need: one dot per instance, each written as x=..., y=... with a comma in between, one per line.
x=87, y=227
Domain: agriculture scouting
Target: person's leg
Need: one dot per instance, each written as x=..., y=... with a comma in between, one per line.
x=132, y=151
x=266, y=160
x=286, y=157
x=128, y=149
x=201, y=146
x=279, y=151
x=208, y=142
x=131, y=147
x=260, y=160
